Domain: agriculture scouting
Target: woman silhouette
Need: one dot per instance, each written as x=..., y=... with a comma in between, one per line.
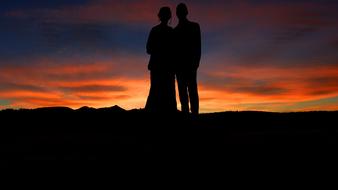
x=162, y=96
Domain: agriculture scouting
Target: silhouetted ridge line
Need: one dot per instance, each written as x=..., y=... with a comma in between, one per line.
x=53, y=109
x=115, y=108
x=86, y=108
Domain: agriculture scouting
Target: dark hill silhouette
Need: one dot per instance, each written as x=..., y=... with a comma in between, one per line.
x=86, y=108
x=61, y=133
x=113, y=109
x=53, y=109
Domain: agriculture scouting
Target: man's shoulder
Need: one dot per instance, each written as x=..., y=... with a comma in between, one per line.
x=187, y=25
x=194, y=24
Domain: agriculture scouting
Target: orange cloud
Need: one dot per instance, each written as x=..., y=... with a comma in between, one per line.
x=275, y=88
x=269, y=88
x=75, y=84
x=321, y=107
x=20, y=94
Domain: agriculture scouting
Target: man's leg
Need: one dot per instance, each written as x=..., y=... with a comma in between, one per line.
x=183, y=92
x=193, y=92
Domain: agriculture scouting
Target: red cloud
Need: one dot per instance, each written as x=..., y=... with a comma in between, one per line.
x=278, y=88
x=269, y=85
x=214, y=14
x=268, y=14
x=74, y=83
x=269, y=88
x=98, y=11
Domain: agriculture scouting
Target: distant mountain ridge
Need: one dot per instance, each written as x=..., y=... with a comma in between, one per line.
x=117, y=108
x=114, y=108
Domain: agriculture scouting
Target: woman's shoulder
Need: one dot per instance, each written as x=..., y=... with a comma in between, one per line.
x=154, y=28
x=162, y=27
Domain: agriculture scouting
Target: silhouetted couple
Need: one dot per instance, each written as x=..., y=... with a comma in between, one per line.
x=174, y=53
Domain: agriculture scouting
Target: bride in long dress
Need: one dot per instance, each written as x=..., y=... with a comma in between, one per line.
x=162, y=96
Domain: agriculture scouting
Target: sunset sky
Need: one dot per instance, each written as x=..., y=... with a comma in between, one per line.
x=263, y=55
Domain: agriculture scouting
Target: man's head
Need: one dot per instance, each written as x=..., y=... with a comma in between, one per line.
x=181, y=11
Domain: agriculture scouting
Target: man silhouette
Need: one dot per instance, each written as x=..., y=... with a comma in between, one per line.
x=188, y=55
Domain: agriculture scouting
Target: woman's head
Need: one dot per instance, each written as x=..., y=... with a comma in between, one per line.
x=164, y=14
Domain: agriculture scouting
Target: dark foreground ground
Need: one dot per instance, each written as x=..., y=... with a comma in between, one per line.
x=115, y=134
